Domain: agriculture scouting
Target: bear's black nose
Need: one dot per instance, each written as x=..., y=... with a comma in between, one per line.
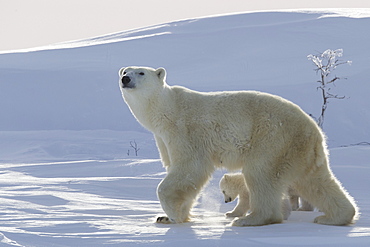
x=126, y=80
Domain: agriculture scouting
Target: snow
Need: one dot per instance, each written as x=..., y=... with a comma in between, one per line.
x=69, y=176
x=113, y=202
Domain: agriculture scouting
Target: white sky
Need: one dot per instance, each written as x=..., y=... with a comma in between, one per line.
x=31, y=23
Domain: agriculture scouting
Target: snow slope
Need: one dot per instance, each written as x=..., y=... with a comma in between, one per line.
x=69, y=176
x=75, y=88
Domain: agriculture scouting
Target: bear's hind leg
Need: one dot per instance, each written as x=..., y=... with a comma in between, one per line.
x=324, y=191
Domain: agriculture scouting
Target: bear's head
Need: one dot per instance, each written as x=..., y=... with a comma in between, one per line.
x=141, y=88
x=138, y=78
x=229, y=188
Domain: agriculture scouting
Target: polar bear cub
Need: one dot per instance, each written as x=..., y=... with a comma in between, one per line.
x=233, y=186
x=272, y=140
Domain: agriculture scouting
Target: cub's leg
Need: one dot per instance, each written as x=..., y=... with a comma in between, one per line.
x=294, y=201
x=241, y=207
x=306, y=206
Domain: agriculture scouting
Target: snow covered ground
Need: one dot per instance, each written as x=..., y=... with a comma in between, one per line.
x=68, y=173
x=113, y=202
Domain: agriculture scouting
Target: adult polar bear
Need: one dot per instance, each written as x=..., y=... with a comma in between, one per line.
x=271, y=139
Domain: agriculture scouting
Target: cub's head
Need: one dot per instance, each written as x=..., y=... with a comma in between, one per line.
x=229, y=188
x=139, y=78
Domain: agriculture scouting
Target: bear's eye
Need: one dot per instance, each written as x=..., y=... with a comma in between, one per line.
x=223, y=192
x=141, y=73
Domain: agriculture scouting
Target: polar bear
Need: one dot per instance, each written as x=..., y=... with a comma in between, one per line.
x=273, y=142
x=233, y=186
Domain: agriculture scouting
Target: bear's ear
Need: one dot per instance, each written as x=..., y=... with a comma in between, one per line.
x=161, y=73
x=120, y=72
x=226, y=177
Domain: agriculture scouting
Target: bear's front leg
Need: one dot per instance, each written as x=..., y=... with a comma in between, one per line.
x=177, y=195
x=265, y=201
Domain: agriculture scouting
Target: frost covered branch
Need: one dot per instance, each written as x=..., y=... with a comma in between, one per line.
x=326, y=63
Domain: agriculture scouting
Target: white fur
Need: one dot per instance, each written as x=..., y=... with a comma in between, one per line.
x=271, y=139
x=233, y=186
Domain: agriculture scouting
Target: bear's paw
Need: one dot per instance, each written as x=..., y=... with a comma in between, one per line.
x=254, y=220
x=324, y=220
x=164, y=220
x=233, y=214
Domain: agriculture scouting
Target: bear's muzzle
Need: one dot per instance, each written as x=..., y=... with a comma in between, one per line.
x=126, y=81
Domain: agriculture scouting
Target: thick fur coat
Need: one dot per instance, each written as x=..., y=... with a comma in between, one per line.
x=271, y=139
